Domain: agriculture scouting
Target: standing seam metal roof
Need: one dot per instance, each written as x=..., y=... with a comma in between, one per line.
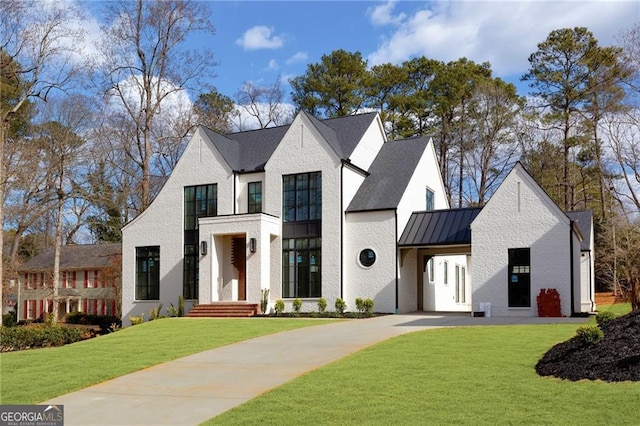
x=439, y=227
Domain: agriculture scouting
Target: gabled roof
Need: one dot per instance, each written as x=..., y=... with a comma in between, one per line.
x=75, y=257
x=583, y=219
x=250, y=150
x=439, y=227
x=389, y=175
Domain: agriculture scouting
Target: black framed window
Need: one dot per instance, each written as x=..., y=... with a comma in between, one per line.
x=148, y=273
x=367, y=257
x=301, y=267
x=191, y=269
x=302, y=197
x=199, y=201
x=519, y=279
x=255, y=197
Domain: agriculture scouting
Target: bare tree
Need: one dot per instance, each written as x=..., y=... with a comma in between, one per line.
x=37, y=43
x=261, y=106
x=143, y=68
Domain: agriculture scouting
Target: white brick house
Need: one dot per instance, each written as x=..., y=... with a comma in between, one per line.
x=313, y=209
x=522, y=242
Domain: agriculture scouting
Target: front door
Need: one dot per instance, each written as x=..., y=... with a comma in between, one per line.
x=239, y=259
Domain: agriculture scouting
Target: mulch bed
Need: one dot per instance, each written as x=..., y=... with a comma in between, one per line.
x=615, y=358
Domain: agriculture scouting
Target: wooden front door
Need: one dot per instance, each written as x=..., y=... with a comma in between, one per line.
x=239, y=260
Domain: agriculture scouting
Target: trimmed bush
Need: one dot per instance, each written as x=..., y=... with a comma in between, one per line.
x=9, y=319
x=367, y=306
x=279, y=307
x=105, y=322
x=604, y=317
x=590, y=334
x=297, y=305
x=38, y=336
x=322, y=305
x=341, y=306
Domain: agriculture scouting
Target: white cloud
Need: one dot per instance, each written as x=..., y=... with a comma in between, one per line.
x=382, y=15
x=260, y=37
x=503, y=33
x=273, y=65
x=297, y=58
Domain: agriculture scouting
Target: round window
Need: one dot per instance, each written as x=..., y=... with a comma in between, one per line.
x=367, y=257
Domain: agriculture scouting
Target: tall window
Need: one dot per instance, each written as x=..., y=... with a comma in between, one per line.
x=148, y=273
x=255, y=197
x=461, y=289
x=302, y=197
x=432, y=270
x=445, y=272
x=301, y=235
x=519, y=280
x=430, y=201
x=301, y=267
x=199, y=201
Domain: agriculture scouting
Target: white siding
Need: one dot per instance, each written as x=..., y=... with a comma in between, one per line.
x=377, y=231
x=162, y=224
x=303, y=150
x=520, y=215
x=369, y=146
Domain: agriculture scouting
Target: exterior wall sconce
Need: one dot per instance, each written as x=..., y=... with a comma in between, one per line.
x=203, y=248
x=252, y=245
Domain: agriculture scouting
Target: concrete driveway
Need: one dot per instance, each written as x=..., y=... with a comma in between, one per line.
x=198, y=387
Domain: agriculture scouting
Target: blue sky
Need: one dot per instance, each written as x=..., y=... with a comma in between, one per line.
x=261, y=41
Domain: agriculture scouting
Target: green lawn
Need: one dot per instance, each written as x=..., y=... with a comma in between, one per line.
x=617, y=308
x=469, y=375
x=29, y=377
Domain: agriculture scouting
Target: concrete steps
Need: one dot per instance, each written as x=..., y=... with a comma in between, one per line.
x=224, y=310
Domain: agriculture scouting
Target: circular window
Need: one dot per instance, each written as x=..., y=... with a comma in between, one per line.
x=367, y=257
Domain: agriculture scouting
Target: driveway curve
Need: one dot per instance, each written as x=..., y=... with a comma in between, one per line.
x=190, y=390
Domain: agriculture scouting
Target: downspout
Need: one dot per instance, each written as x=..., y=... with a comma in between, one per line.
x=235, y=200
x=343, y=217
x=591, y=284
x=571, y=267
x=397, y=258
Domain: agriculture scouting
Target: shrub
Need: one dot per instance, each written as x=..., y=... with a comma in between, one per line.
x=135, y=320
x=279, y=307
x=105, y=322
x=172, y=311
x=341, y=306
x=154, y=313
x=181, y=306
x=367, y=306
x=322, y=305
x=590, y=334
x=604, y=317
x=37, y=336
x=297, y=305
x=264, y=300
x=9, y=319
x=359, y=305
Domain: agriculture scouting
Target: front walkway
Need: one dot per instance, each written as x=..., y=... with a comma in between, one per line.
x=198, y=387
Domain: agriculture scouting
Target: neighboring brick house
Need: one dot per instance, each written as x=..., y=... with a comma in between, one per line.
x=90, y=281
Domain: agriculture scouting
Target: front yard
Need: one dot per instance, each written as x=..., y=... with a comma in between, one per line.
x=32, y=376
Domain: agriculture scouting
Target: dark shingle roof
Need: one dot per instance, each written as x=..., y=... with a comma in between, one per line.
x=91, y=256
x=250, y=150
x=583, y=219
x=439, y=227
x=389, y=175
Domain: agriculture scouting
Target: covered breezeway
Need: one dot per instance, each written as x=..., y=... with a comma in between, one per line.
x=441, y=242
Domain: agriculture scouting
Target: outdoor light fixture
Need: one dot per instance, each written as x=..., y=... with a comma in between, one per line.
x=252, y=245
x=203, y=248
